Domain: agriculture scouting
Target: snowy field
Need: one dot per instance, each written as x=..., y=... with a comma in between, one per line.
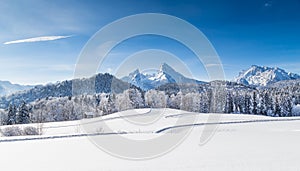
x=241, y=142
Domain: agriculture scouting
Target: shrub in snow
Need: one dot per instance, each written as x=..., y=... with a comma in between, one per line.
x=17, y=131
x=12, y=131
x=296, y=110
x=30, y=130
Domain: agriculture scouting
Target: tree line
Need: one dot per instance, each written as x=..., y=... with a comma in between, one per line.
x=218, y=98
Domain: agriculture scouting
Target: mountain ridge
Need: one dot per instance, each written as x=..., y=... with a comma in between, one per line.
x=104, y=83
x=165, y=74
x=264, y=76
x=7, y=88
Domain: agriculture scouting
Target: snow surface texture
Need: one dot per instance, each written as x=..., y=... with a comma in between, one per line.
x=263, y=144
x=166, y=74
x=7, y=88
x=263, y=76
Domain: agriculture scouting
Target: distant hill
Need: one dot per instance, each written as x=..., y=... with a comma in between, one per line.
x=7, y=88
x=103, y=83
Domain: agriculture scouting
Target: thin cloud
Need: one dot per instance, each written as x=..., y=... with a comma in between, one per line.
x=213, y=65
x=37, y=39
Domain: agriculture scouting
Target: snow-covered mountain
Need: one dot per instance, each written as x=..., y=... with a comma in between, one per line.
x=165, y=74
x=263, y=76
x=7, y=88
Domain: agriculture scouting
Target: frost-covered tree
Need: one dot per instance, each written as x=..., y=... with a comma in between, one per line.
x=254, y=103
x=277, y=108
x=155, y=99
x=129, y=99
x=218, y=96
x=229, y=103
x=23, y=115
x=287, y=107
x=107, y=103
x=3, y=117
x=247, y=104
x=204, y=103
x=269, y=104
x=262, y=105
x=174, y=100
x=123, y=101
x=11, y=115
x=191, y=102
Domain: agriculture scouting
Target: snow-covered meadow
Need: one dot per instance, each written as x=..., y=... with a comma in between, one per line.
x=241, y=142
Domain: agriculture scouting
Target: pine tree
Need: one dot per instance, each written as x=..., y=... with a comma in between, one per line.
x=11, y=119
x=269, y=104
x=287, y=107
x=254, y=109
x=262, y=104
x=23, y=116
x=229, y=103
x=247, y=104
x=277, y=107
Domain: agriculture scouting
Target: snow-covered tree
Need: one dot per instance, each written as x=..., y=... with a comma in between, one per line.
x=155, y=99
x=254, y=103
x=174, y=100
x=23, y=115
x=129, y=99
x=247, y=103
x=229, y=103
x=287, y=107
x=11, y=115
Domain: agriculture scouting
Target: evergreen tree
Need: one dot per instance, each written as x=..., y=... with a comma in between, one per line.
x=11, y=118
x=269, y=104
x=23, y=116
x=254, y=109
x=262, y=105
x=247, y=104
x=277, y=108
x=287, y=107
x=229, y=103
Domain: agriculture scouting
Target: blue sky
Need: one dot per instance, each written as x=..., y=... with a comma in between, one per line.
x=243, y=33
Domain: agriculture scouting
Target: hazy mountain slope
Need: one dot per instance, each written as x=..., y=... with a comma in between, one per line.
x=103, y=83
x=7, y=88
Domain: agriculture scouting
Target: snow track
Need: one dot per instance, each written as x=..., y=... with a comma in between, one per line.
x=224, y=123
x=54, y=137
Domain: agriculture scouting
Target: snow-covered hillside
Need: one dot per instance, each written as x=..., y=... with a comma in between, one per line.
x=7, y=88
x=241, y=142
x=263, y=76
x=103, y=83
x=166, y=74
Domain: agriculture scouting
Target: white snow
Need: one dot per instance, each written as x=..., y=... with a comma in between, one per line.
x=242, y=142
